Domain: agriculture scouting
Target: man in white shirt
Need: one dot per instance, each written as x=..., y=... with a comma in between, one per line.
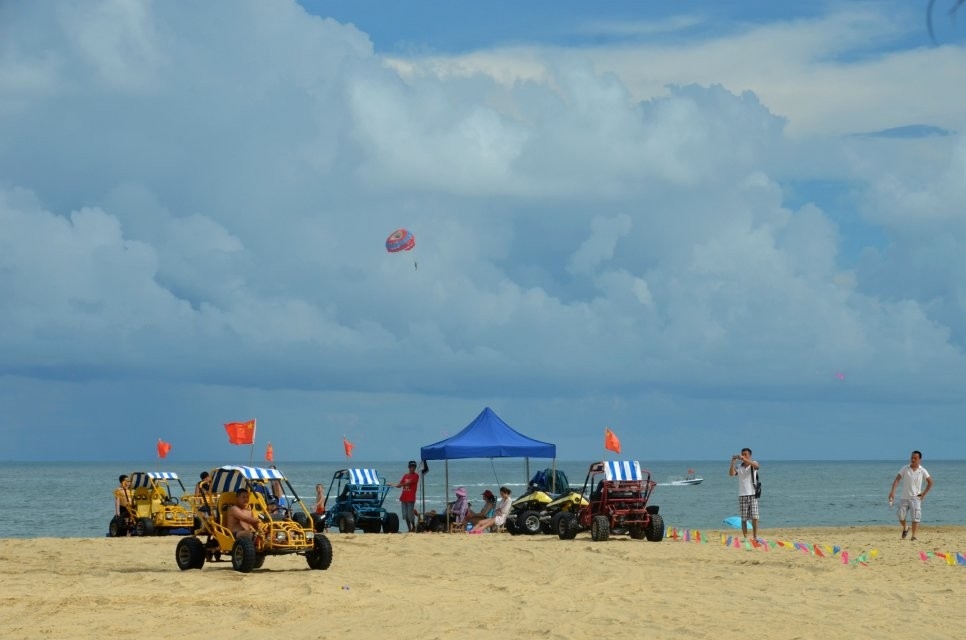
x=744, y=467
x=910, y=500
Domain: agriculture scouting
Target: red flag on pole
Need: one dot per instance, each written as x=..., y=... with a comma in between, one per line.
x=241, y=432
x=611, y=443
x=348, y=447
x=163, y=448
x=269, y=453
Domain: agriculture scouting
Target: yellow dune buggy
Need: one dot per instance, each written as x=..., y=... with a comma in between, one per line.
x=155, y=509
x=282, y=531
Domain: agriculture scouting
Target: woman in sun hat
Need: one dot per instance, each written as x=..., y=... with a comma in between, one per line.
x=489, y=508
x=460, y=506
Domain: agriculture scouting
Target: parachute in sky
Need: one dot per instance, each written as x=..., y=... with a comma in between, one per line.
x=400, y=240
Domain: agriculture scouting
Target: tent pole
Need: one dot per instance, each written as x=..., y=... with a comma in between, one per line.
x=422, y=493
x=446, y=495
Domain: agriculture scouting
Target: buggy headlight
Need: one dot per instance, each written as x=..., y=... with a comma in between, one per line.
x=281, y=536
x=168, y=516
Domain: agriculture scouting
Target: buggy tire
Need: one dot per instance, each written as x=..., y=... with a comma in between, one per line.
x=511, y=525
x=300, y=519
x=391, y=523
x=144, y=527
x=555, y=522
x=259, y=561
x=117, y=527
x=320, y=556
x=190, y=553
x=319, y=522
x=637, y=532
x=347, y=523
x=243, y=555
x=654, y=531
x=600, y=528
x=567, y=526
x=528, y=522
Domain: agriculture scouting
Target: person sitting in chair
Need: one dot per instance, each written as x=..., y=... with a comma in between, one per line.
x=488, y=510
x=460, y=506
x=499, y=517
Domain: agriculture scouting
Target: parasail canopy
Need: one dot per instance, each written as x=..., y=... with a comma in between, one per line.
x=400, y=240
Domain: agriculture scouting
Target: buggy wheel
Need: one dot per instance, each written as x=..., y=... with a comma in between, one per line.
x=600, y=528
x=259, y=561
x=118, y=527
x=243, y=555
x=144, y=527
x=511, y=525
x=636, y=532
x=529, y=522
x=555, y=522
x=320, y=557
x=567, y=526
x=654, y=531
x=319, y=522
x=347, y=523
x=391, y=523
x=301, y=519
x=190, y=553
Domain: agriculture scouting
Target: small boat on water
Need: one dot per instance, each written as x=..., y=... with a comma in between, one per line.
x=689, y=479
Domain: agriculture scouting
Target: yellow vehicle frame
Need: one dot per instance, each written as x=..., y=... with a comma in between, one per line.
x=281, y=535
x=153, y=509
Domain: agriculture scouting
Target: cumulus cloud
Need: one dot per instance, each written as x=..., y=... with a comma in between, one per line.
x=196, y=197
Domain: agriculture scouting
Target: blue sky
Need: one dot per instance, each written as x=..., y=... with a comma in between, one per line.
x=702, y=226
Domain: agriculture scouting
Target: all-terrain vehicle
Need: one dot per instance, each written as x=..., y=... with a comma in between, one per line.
x=155, y=508
x=357, y=502
x=617, y=504
x=283, y=532
x=537, y=511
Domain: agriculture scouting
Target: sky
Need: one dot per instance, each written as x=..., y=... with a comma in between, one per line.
x=705, y=227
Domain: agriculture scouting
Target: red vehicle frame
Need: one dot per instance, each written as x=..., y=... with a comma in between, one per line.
x=617, y=504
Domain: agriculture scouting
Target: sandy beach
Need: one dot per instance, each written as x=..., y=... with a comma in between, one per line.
x=462, y=586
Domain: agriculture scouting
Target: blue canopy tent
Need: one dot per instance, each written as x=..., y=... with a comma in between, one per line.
x=488, y=436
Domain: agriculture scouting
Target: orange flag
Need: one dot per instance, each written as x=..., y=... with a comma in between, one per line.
x=163, y=448
x=269, y=453
x=241, y=432
x=611, y=443
x=348, y=447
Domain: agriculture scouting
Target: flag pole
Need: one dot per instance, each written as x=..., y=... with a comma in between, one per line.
x=251, y=451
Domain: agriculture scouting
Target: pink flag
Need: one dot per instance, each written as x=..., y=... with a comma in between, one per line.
x=845, y=557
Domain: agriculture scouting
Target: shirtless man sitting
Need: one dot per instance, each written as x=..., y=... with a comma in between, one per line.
x=240, y=519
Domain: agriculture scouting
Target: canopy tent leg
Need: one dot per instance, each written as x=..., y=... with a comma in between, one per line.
x=422, y=493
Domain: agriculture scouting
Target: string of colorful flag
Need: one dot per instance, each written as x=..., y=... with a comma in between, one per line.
x=949, y=557
x=761, y=544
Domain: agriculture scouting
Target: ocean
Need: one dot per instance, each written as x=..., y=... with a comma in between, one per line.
x=74, y=499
